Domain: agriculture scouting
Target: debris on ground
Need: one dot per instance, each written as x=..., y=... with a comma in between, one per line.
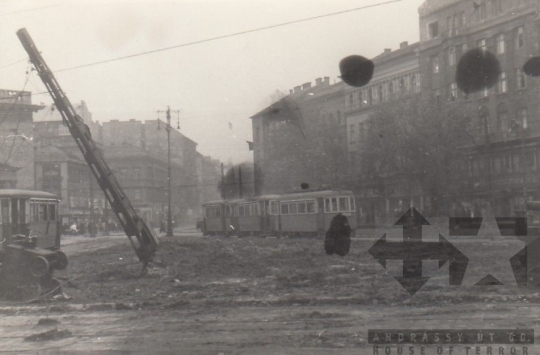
x=47, y=321
x=53, y=334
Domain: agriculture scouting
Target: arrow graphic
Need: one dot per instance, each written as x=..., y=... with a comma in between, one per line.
x=412, y=251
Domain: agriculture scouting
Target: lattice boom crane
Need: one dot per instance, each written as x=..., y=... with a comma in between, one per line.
x=142, y=238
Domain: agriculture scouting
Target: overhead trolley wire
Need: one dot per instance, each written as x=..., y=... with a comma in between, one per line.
x=226, y=36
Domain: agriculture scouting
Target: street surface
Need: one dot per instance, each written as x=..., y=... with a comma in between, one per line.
x=218, y=295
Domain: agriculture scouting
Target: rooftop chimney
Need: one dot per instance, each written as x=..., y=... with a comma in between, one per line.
x=318, y=81
x=387, y=50
x=403, y=45
x=291, y=91
x=326, y=80
x=306, y=86
x=297, y=88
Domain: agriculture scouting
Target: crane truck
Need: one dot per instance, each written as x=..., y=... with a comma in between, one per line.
x=142, y=238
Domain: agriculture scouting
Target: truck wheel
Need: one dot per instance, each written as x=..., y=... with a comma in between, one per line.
x=39, y=266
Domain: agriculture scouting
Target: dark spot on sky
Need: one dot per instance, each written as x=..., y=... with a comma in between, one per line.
x=304, y=186
x=380, y=135
x=477, y=68
x=532, y=67
x=356, y=70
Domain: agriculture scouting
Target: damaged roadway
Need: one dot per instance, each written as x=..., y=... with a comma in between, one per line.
x=251, y=295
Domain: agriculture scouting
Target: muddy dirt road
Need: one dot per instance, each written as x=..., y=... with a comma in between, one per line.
x=246, y=296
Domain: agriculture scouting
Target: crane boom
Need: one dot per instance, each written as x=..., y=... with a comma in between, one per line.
x=142, y=238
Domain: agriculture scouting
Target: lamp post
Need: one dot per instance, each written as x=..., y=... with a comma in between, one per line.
x=168, y=129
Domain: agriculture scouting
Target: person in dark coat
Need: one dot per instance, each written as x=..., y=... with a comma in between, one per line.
x=338, y=236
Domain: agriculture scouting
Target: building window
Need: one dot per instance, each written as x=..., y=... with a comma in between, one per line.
x=433, y=30
x=520, y=79
x=435, y=64
x=462, y=19
x=360, y=131
x=360, y=98
x=370, y=96
x=522, y=117
x=453, y=92
x=437, y=95
x=502, y=86
x=483, y=120
x=415, y=85
x=493, y=6
x=463, y=48
x=257, y=136
x=482, y=44
x=137, y=194
x=390, y=88
x=351, y=134
x=482, y=11
x=452, y=56
x=380, y=91
x=500, y=44
x=520, y=40
x=450, y=25
x=484, y=92
x=502, y=118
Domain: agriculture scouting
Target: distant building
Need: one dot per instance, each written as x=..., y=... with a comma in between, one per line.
x=16, y=139
x=151, y=137
x=503, y=166
x=315, y=134
x=396, y=77
x=61, y=169
x=301, y=139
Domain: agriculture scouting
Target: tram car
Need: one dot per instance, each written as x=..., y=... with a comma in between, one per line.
x=306, y=213
x=30, y=243
x=218, y=218
x=252, y=216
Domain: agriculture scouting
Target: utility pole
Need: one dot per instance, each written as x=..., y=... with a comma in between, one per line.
x=223, y=189
x=240, y=192
x=168, y=129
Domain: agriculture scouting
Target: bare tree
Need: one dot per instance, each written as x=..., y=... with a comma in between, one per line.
x=419, y=142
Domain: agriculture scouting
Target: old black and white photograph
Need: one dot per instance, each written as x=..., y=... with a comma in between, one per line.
x=302, y=177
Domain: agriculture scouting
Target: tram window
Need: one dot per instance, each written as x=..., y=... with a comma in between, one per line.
x=302, y=207
x=5, y=211
x=292, y=208
x=284, y=208
x=344, y=204
x=34, y=212
x=42, y=213
x=327, y=205
x=22, y=211
x=273, y=207
x=310, y=206
x=255, y=209
x=353, y=207
x=334, y=204
x=240, y=211
x=52, y=212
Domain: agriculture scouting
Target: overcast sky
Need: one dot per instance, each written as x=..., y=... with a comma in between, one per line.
x=212, y=83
